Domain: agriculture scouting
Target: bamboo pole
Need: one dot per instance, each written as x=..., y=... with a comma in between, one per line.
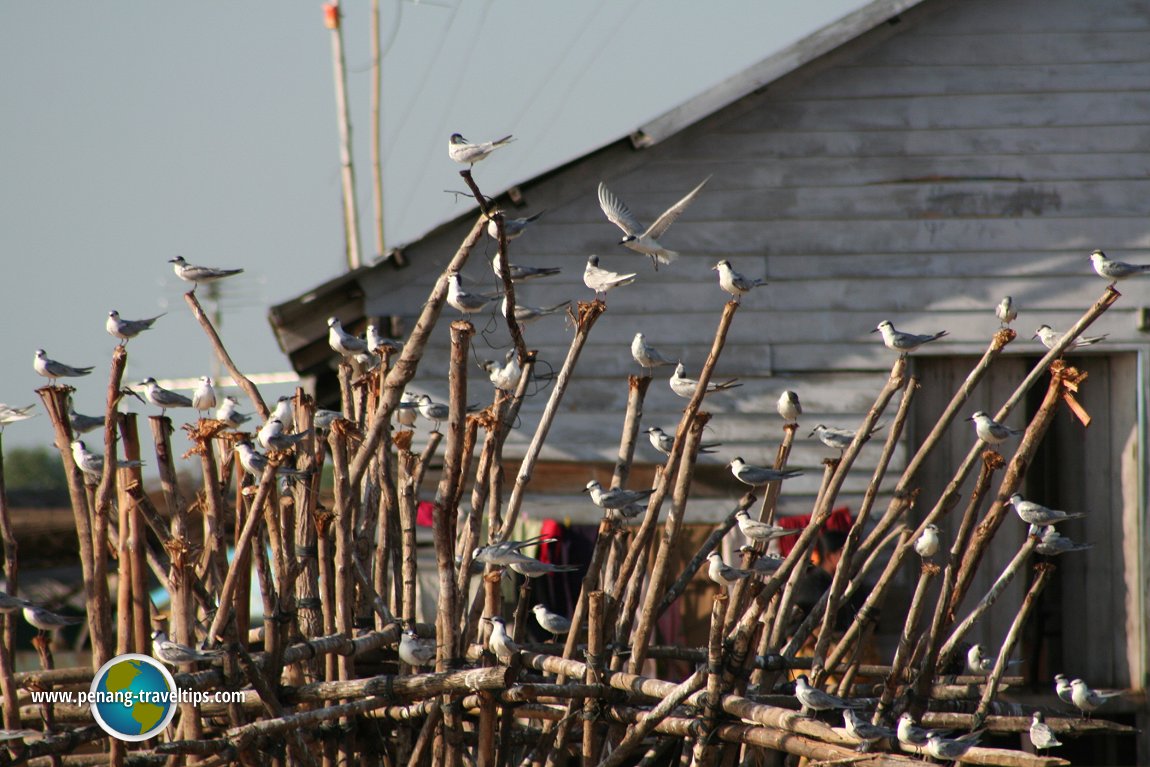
x=375, y=100
x=704, y=751
x=333, y=21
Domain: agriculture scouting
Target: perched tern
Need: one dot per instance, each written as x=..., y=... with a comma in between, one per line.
x=466, y=153
x=1115, y=271
x=789, y=406
x=648, y=356
x=93, y=463
x=685, y=387
x=991, y=431
x=756, y=476
x=525, y=314
x=468, y=303
x=50, y=368
x=127, y=329
x=499, y=642
x=204, y=397
x=815, y=699
x=927, y=544
x=523, y=273
x=1080, y=694
x=864, y=732
x=46, y=620
x=342, y=342
x=614, y=499
x=1041, y=736
x=197, y=274
x=1006, y=312
x=901, y=342
x=664, y=442
x=949, y=749
x=1052, y=544
x=761, y=531
x=722, y=573
x=82, y=424
x=555, y=623
x=1050, y=338
x=1036, y=514
x=163, y=398
x=175, y=653
x=602, y=280
x=733, y=282
x=228, y=413
x=512, y=227
x=977, y=662
x=415, y=651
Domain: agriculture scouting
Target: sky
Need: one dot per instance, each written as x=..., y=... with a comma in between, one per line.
x=137, y=131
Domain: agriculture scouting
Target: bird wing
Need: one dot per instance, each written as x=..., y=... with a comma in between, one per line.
x=618, y=213
x=663, y=223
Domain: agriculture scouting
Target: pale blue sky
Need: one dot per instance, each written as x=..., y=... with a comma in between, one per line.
x=136, y=131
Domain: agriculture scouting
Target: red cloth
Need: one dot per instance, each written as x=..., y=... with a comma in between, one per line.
x=839, y=521
x=549, y=529
x=425, y=514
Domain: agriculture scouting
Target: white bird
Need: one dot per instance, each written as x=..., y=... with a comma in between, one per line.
x=789, y=406
x=602, y=280
x=734, y=283
x=1050, y=338
x=1036, y=514
x=273, y=436
x=46, y=620
x=283, y=412
x=408, y=409
x=991, y=431
x=176, y=653
x=82, y=424
x=13, y=414
x=761, y=531
x=254, y=462
x=522, y=273
x=1112, y=270
x=664, y=442
x=905, y=343
x=432, y=410
x=324, y=418
x=1080, y=694
x=499, y=642
x=909, y=733
x=197, y=274
x=465, y=302
x=93, y=463
x=977, y=662
x=377, y=344
x=204, y=397
x=464, y=152
x=927, y=544
x=1041, y=736
x=50, y=368
x=1053, y=544
x=512, y=227
x=1063, y=689
x=342, y=342
x=163, y=398
x=10, y=604
x=525, y=314
x=835, y=437
x=765, y=563
x=722, y=573
x=552, y=622
x=864, y=732
x=685, y=387
x=950, y=749
x=815, y=699
x=648, y=356
x=501, y=553
x=415, y=651
x=616, y=498
x=505, y=376
x=635, y=237
x=127, y=329
x=228, y=413
x=1005, y=311
x=25, y=735
x=756, y=476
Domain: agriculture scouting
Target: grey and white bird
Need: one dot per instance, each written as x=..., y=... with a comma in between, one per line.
x=323, y=418
x=163, y=398
x=1052, y=543
x=467, y=153
x=127, y=329
x=762, y=531
x=407, y=410
x=228, y=413
x=273, y=436
x=648, y=356
x=175, y=653
x=10, y=414
x=950, y=749
x=10, y=604
x=504, y=376
x=756, y=476
x=415, y=651
x=377, y=344
x=512, y=227
x=342, y=342
x=46, y=620
x=51, y=369
x=199, y=274
x=1050, y=338
x=433, y=411
x=904, y=343
x=82, y=424
x=734, y=283
x=685, y=387
x=533, y=568
x=1081, y=695
x=815, y=699
x=909, y=733
x=525, y=314
x=555, y=623
x=789, y=406
x=1005, y=311
x=1063, y=689
x=836, y=438
x=616, y=498
x=928, y=542
x=501, y=553
x=722, y=573
x=602, y=280
x=93, y=463
x=283, y=411
x=991, y=431
x=864, y=732
x=465, y=302
x=635, y=236
x=25, y=735
x=664, y=442
x=254, y=462
x=1115, y=271
x=1036, y=514
x=521, y=273
x=978, y=662
x=204, y=397
x=764, y=563
x=499, y=642
x=1041, y=736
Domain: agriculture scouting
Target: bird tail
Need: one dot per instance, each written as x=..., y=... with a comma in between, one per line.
x=505, y=140
x=731, y=384
x=556, y=307
x=667, y=256
x=938, y=335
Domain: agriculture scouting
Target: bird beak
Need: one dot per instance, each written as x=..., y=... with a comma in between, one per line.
x=715, y=268
x=811, y=434
x=875, y=330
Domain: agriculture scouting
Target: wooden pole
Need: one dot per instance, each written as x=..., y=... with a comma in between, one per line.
x=333, y=21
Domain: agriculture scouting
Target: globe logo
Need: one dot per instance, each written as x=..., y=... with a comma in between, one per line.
x=133, y=697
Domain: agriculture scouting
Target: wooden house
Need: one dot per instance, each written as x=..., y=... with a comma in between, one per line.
x=914, y=167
